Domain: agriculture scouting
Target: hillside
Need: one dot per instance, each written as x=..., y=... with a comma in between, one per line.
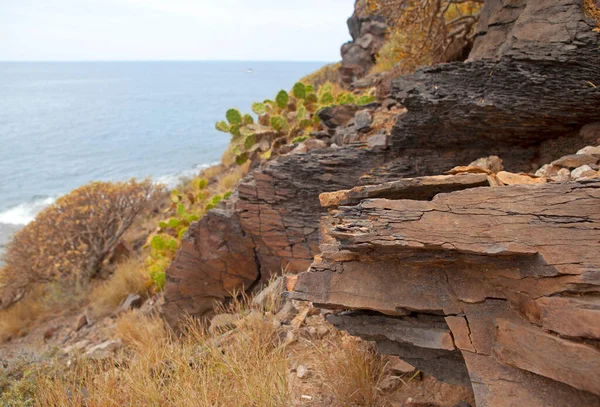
x=417, y=225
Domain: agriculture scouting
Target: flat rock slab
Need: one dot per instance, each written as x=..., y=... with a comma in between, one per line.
x=511, y=268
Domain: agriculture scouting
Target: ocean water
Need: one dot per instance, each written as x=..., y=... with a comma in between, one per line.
x=63, y=124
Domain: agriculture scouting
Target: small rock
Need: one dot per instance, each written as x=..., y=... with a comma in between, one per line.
x=132, y=301
x=562, y=175
x=378, y=141
x=471, y=169
x=334, y=146
x=287, y=313
x=104, y=349
x=363, y=120
x=302, y=372
x=548, y=171
x=335, y=116
x=274, y=289
x=389, y=103
x=286, y=148
x=582, y=172
x=76, y=346
x=290, y=282
x=576, y=160
x=509, y=178
x=397, y=365
x=314, y=144
x=590, y=150
x=492, y=163
x=306, y=397
x=300, y=149
x=82, y=321
x=318, y=332
x=222, y=323
x=365, y=41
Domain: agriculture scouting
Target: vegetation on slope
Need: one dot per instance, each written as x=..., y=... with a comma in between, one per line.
x=424, y=32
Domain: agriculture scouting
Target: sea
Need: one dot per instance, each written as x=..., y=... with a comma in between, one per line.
x=63, y=124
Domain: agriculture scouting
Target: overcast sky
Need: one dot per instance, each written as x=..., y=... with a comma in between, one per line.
x=307, y=30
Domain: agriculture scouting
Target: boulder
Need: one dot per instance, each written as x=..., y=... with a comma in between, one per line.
x=362, y=120
x=337, y=115
x=489, y=287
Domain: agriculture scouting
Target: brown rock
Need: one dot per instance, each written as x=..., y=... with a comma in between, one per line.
x=576, y=160
x=337, y=115
x=104, y=350
x=590, y=150
x=314, y=144
x=82, y=321
x=397, y=365
x=562, y=175
x=461, y=169
x=492, y=163
x=583, y=172
x=508, y=178
x=521, y=245
x=131, y=302
x=531, y=349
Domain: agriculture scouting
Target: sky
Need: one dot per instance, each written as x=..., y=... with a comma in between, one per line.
x=282, y=30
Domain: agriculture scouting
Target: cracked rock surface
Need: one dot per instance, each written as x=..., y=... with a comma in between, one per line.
x=493, y=287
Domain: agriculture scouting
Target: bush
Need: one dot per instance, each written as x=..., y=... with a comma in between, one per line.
x=70, y=241
x=423, y=33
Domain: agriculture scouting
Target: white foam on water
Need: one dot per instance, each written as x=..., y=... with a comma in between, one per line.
x=24, y=213
x=172, y=180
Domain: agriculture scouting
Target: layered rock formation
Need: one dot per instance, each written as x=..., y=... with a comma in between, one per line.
x=526, y=107
x=505, y=276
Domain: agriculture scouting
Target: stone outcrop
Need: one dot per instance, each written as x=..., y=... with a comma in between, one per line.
x=525, y=106
x=368, y=33
x=498, y=285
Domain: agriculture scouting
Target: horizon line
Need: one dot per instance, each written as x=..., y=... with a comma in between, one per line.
x=164, y=60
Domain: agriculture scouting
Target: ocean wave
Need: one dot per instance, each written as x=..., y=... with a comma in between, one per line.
x=172, y=180
x=24, y=213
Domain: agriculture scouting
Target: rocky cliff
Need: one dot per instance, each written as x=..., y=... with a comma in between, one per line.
x=523, y=106
x=368, y=33
x=470, y=276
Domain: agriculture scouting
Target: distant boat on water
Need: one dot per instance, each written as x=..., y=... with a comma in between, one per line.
x=249, y=70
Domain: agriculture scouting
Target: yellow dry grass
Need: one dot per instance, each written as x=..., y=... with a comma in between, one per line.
x=592, y=8
x=328, y=73
x=129, y=277
x=248, y=369
x=16, y=320
x=352, y=370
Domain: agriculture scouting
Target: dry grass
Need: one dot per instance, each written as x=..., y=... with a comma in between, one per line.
x=352, y=371
x=592, y=8
x=245, y=367
x=16, y=320
x=230, y=180
x=248, y=366
x=328, y=73
x=129, y=278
